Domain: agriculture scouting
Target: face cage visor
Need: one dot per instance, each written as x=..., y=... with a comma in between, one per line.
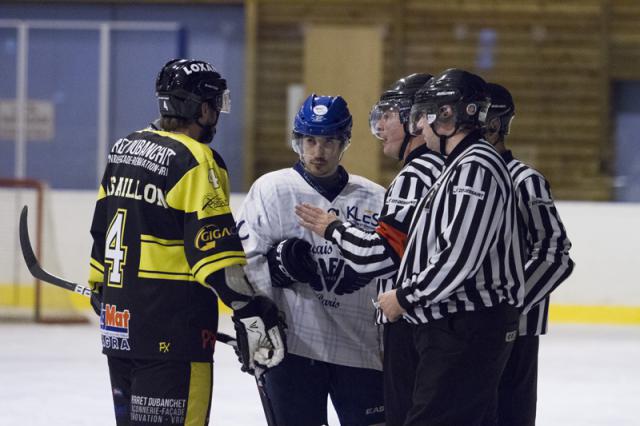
x=298, y=138
x=423, y=114
x=382, y=112
x=222, y=102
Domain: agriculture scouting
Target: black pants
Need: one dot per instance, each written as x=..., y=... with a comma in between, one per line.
x=400, y=363
x=461, y=359
x=151, y=392
x=518, y=391
x=298, y=388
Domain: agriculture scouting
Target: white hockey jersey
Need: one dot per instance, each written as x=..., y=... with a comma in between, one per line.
x=322, y=325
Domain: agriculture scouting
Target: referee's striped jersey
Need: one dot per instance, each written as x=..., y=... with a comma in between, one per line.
x=546, y=244
x=464, y=251
x=378, y=254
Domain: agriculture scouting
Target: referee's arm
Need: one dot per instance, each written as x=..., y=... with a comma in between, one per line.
x=366, y=252
x=466, y=220
x=548, y=262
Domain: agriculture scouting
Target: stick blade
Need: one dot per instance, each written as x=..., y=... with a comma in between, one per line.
x=25, y=241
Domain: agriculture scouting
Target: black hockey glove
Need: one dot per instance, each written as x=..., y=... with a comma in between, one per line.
x=96, y=299
x=291, y=261
x=260, y=334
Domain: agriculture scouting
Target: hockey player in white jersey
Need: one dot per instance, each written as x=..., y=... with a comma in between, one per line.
x=334, y=346
x=380, y=252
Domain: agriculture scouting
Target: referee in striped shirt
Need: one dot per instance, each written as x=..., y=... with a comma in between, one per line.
x=461, y=276
x=547, y=265
x=379, y=253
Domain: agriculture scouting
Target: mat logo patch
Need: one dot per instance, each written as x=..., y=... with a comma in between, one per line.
x=114, y=327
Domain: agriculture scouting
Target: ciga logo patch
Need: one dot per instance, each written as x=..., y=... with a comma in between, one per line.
x=208, y=235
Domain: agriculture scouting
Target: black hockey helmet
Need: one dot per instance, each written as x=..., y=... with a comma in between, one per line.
x=398, y=98
x=184, y=84
x=465, y=92
x=502, y=108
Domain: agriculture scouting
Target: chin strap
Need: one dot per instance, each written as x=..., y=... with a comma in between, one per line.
x=405, y=143
x=444, y=138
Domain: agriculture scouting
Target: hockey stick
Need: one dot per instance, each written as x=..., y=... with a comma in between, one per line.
x=39, y=273
x=262, y=391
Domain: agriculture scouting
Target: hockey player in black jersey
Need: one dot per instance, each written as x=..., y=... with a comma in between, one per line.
x=165, y=248
x=378, y=253
x=547, y=265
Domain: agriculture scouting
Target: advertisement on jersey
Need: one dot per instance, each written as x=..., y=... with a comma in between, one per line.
x=114, y=327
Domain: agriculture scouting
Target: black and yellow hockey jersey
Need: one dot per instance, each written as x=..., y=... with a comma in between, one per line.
x=162, y=226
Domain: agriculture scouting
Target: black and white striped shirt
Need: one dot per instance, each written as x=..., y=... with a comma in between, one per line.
x=546, y=244
x=464, y=251
x=378, y=254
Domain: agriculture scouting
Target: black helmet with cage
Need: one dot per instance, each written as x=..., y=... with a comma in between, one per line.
x=184, y=84
x=398, y=98
x=466, y=94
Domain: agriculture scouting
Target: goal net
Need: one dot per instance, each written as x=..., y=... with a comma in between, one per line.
x=22, y=297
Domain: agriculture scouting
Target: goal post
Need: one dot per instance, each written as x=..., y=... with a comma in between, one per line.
x=22, y=297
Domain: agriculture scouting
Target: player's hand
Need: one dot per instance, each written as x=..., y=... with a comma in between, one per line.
x=390, y=306
x=290, y=261
x=260, y=334
x=314, y=218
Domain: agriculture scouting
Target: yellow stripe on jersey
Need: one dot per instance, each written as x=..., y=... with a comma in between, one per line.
x=205, y=188
x=200, y=389
x=195, y=192
x=101, y=193
x=163, y=259
x=96, y=273
x=211, y=264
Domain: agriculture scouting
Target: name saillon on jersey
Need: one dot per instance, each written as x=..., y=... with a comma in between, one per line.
x=130, y=188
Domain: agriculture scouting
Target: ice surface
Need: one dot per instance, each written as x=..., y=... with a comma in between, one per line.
x=55, y=375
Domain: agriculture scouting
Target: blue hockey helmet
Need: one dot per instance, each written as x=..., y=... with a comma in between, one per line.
x=326, y=116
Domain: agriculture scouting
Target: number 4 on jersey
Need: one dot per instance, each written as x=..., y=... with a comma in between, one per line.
x=115, y=253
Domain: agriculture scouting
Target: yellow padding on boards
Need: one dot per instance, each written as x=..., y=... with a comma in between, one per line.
x=570, y=314
x=23, y=296
x=585, y=314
